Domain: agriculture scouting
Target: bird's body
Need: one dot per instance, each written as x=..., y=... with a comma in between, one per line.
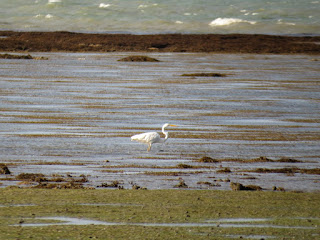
x=151, y=137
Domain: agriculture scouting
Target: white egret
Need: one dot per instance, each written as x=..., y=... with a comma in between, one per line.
x=152, y=137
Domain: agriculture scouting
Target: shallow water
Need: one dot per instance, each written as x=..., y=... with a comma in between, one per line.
x=81, y=109
x=240, y=223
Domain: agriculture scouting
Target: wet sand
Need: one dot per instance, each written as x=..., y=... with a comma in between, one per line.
x=71, y=117
x=229, y=43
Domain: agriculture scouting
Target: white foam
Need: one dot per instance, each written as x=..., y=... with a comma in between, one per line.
x=103, y=5
x=54, y=1
x=43, y=16
x=228, y=21
x=285, y=23
x=147, y=6
x=143, y=6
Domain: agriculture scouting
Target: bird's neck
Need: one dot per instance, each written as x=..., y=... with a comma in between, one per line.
x=166, y=134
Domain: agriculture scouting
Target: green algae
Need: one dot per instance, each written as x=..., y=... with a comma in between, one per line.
x=20, y=206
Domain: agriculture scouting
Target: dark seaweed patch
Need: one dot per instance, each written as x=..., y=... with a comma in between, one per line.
x=138, y=59
x=292, y=170
x=224, y=170
x=203, y=75
x=181, y=184
x=240, y=187
x=34, y=177
x=113, y=184
x=4, y=169
x=258, y=159
x=181, y=165
x=11, y=56
x=311, y=171
x=206, y=159
x=277, y=170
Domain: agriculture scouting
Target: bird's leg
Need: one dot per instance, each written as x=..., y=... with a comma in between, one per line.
x=149, y=147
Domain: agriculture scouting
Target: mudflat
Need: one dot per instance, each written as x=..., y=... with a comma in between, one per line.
x=31, y=210
x=70, y=117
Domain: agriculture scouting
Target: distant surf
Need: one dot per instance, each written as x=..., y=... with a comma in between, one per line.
x=154, y=16
x=229, y=21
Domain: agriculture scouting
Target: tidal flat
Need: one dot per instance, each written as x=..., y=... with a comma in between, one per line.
x=157, y=214
x=69, y=117
x=66, y=121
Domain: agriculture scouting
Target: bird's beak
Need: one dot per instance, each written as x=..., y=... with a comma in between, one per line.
x=173, y=125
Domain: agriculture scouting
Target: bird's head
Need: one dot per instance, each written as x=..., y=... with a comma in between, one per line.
x=169, y=125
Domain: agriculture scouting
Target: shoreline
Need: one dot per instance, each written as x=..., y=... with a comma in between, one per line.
x=14, y=41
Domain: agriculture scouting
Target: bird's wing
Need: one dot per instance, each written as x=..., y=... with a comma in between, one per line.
x=148, y=137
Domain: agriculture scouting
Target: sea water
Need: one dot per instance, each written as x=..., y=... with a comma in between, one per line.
x=163, y=16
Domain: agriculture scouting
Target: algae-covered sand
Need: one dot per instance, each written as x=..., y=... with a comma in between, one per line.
x=157, y=214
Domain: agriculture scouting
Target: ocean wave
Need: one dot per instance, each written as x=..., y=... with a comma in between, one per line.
x=103, y=5
x=145, y=16
x=228, y=21
x=54, y=1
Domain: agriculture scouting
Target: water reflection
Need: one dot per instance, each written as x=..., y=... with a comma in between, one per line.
x=223, y=223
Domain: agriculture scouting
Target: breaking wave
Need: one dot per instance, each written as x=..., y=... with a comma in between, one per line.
x=229, y=21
